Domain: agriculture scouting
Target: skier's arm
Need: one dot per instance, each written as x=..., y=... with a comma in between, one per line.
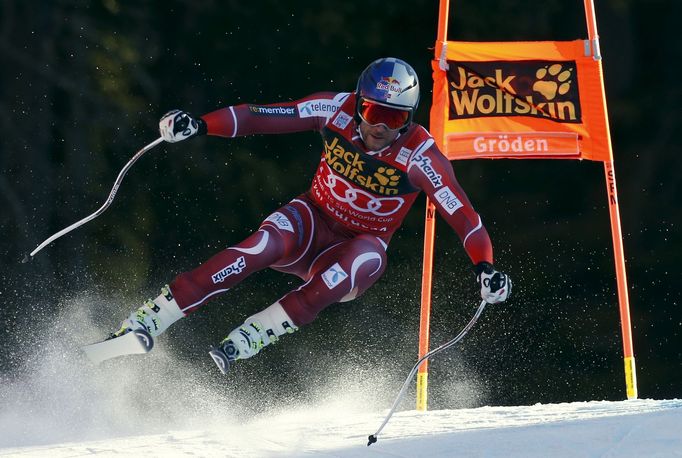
x=430, y=171
x=308, y=113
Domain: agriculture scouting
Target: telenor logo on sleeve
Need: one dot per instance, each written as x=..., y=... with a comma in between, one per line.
x=318, y=107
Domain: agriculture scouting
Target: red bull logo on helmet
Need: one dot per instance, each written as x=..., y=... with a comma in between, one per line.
x=390, y=84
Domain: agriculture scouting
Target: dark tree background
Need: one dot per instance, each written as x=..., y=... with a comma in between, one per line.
x=84, y=83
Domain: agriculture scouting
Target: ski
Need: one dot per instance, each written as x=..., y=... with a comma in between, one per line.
x=221, y=359
x=134, y=342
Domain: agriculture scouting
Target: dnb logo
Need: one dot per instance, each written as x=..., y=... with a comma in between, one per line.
x=541, y=89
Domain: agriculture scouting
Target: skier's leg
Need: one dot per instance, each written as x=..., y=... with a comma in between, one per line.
x=339, y=274
x=273, y=242
x=188, y=291
x=226, y=269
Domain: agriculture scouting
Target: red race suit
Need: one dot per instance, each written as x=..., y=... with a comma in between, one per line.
x=335, y=235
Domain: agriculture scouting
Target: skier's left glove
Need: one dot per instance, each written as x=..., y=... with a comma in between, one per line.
x=177, y=125
x=495, y=286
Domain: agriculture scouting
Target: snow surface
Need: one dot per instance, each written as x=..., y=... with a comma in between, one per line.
x=160, y=405
x=636, y=428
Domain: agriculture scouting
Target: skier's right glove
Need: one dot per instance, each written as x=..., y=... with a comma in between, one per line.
x=177, y=125
x=495, y=286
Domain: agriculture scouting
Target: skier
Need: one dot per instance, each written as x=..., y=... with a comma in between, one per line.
x=374, y=163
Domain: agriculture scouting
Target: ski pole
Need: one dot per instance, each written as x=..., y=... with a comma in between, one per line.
x=373, y=437
x=101, y=210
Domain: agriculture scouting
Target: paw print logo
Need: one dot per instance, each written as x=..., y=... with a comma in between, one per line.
x=386, y=176
x=553, y=81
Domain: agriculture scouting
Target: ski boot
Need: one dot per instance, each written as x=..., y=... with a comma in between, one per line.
x=137, y=332
x=244, y=342
x=154, y=317
x=257, y=332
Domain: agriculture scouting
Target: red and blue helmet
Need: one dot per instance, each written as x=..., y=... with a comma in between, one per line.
x=391, y=83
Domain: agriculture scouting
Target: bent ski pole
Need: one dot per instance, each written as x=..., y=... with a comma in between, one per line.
x=101, y=210
x=373, y=437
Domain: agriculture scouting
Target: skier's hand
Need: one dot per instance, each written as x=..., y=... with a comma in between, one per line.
x=495, y=286
x=177, y=125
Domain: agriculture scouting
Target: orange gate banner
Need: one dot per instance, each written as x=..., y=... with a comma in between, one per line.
x=520, y=100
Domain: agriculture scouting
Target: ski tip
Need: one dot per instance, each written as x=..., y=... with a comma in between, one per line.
x=145, y=339
x=220, y=359
x=26, y=259
x=372, y=439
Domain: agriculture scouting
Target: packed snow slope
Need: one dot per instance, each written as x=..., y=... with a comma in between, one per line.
x=637, y=428
x=54, y=404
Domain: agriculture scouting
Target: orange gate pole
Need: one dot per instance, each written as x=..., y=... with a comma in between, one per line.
x=621, y=279
x=616, y=234
x=427, y=269
x=425, y=314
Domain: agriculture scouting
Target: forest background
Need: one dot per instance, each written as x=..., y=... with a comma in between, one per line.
x=82, y=87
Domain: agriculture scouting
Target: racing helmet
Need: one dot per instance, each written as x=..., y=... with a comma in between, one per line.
x=391, y=83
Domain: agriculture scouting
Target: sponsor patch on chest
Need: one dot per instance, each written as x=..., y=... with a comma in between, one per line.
x=342, y=120
x=403, y=155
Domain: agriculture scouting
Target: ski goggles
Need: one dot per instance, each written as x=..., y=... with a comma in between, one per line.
x=375, y=114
